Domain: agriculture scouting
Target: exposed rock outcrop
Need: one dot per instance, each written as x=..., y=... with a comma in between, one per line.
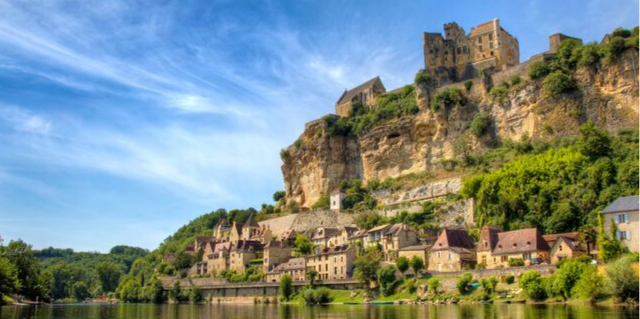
x=318, y=162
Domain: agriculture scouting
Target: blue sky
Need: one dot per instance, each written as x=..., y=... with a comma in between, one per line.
x=122, y=120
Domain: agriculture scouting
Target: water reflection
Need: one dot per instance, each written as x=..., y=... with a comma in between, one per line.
x=250, y=311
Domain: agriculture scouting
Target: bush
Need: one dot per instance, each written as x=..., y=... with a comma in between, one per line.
x=422, y=78
x=509, y=279
x=387, y=280
x=623, y=279
x=591, y=285
x=516, y=262
x=285, y=287
x=480, y=124
x=557, y=83
x=195, y=296
x=539, y=70
x=590, y=55
x=277, y=196
x=515, y=79
x=463, y=283
x=488, y=286
x=433, y=284
x=322, y=203
x=499, y=93
x=468, y=85
x=447, y=98
x=532, y=284
x=565, y=279
x=321, y=295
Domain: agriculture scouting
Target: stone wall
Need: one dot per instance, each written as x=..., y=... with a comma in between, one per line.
x=429, y=191
x=448, y=279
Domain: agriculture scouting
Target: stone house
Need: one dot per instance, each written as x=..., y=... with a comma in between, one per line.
x=453, y=251
x=488, y=45
x=565, y=248
x=217, y=257
x=332, y=262
x=294, y=267
x=624, y=213
x=236, y=232
x=288, y=235
x=275, y=253
x=365, y=93
x=327, y=237
x=420, y=251
x=496, y=248
x=375, y=235
x=221, y=229
x=242, y=252
x=335, y=200
x=397, y=237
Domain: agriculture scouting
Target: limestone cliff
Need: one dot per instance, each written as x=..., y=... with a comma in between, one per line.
x=607, y=94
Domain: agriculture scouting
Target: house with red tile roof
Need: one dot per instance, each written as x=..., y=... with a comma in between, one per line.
x=495, y=248
x=453, y=251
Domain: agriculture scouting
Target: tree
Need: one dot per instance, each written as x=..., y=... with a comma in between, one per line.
x=538, y=70
x=463, y=283
x=417, y=264
x=593, y=142
x=109, y=275
x=195, y=296
x=366, y=267
x=21, y=256
x=591, y=285
x=588, y=236
x=80, y=290
x=480, y=123
x=403, y=264
x=557, y=83
x=9, y=282
x=277, y=196
x=175, y=293
x=531, y=283
x=285, y=287
x=387, y=279
x=488, y=286
x=565, y=279
x=623, y=279
x=303, y=244
x=433, y=284
x=311, y=276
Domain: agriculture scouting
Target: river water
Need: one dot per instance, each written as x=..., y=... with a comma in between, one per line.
x=250, y=311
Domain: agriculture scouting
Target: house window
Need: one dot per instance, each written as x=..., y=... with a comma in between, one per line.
x=490, y=36
x=479, y=39
x=504, y=259
x=449, y=256
x=624, y=235
x=490, y=45
x=439, y=255
x=560, y=248
x=622, y=218
x=458, y=50
x=481, y=49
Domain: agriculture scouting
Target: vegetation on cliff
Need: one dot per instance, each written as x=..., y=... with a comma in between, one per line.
x=559, y=189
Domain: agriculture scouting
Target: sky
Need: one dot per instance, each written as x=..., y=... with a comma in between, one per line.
x=122, y=120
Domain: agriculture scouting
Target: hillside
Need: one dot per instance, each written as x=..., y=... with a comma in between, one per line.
x=428, y=129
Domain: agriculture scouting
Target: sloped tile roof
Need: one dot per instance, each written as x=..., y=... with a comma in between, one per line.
x=350, y=94
x=453, y=238
x=520, y=241
x=622, y=204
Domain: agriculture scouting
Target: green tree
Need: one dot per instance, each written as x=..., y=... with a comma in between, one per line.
x=532, y=284
x=387, y=280
x=623, y=279
x=463, y=283
x=403, y=264
x=480, y=124
x=488, y=287
x=557, y=83
x=195, y=296
x=593, y=142
x=366, y=267
x=417, y=264
x=303, y=245
x=9, y=282
x=277, y=196
x=433, y=285
x=285, y=287
x=538, y=70
x=21, y=256
x=322, y=203
x=591, y=285
x=312, y=275
x=109, y=274
x=175, y=293
x=565, y=279
x=80, y=290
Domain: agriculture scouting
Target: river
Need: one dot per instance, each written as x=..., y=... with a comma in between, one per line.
x=250, y=311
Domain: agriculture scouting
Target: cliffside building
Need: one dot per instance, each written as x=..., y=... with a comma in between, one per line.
x=465, y=55
x=365, y=93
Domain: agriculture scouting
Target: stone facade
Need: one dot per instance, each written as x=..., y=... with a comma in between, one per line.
x=366, y=94
x=624, y=213
x=333, y=263
x=488, y=45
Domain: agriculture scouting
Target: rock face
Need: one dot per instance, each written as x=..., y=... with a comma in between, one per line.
x=317, y=162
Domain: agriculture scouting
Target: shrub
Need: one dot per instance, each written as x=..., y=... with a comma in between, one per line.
x=322, y=203
x=422, y=78
x=614, y=48
x=532, y=284
x=285, y=287
x=499, y=93
x=298, y=143
x=591, y=285
x=403, y=264
x=322, y=295
x=387, y=280
x=488, y=286
x=417, y=264
x=590, y=55
x=447, y=98
x=293, y=206
x=516, y=262
x=463, y=283
x=539, y=70
x=195, y=296
x=433, y=284
x=566, y=278
x=509, y=279
x=557, y=83
x=623, y=279
x=468, y=85
x=515, y=79
x=480, y=124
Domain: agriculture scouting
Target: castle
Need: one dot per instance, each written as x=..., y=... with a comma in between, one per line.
x=464, y=56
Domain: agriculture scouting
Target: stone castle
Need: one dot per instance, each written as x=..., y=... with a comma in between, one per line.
x=465, y=55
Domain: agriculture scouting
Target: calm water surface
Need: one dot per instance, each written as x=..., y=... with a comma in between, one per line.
x=146, y=311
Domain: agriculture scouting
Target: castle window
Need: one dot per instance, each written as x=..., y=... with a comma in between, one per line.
x=458, y=50
x=481, y=49
x=491, y=53
x=491, y=45
x=479, y=39
x=490, y=36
